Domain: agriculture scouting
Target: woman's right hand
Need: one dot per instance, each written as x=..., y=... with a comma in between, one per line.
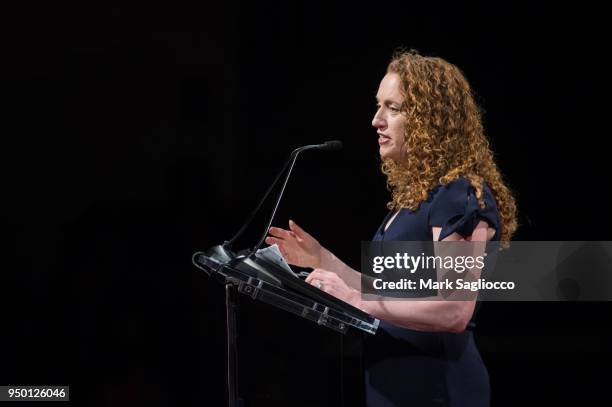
x=296, y=245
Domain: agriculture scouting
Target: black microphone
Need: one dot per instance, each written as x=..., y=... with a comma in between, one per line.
x=334, y=145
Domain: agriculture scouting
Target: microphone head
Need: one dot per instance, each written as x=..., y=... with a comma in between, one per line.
x=333, y=145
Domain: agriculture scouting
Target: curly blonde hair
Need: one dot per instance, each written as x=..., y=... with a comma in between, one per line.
x=444, y=138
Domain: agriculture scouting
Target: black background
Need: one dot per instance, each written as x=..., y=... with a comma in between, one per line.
x=133, y=136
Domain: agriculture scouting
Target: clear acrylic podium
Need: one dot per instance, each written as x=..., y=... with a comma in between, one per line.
x=270, y=283
x=266, y=282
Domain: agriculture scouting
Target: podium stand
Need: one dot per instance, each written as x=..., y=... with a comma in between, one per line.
x=267, y=282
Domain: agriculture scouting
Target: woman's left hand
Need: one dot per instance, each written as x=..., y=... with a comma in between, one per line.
x=332, y=284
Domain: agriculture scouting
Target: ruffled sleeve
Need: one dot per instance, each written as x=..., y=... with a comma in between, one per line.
x=455, y=209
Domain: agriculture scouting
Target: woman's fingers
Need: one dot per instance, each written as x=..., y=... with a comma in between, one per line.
x=285, y=234
x=311, y=277
x=272, y=240
x=281, y=233
x=301, y=233
x=280, y=242
x=319, y=274
x=295, y=232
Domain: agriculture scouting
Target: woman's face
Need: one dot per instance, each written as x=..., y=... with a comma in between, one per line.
x=388, y=120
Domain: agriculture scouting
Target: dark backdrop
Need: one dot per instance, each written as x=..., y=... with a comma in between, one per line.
x=133, y=136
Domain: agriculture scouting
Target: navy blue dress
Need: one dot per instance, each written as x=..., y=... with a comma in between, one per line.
x=404, y=367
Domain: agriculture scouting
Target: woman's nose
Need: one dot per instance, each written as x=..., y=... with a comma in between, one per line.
x=377, y=121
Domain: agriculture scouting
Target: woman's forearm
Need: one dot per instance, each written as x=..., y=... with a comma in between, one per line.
x=422, y=315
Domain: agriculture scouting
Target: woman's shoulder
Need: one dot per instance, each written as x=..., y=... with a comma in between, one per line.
x=460, y=188
x=455, y=207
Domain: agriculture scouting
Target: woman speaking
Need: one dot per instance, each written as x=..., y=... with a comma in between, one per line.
x=445, y=186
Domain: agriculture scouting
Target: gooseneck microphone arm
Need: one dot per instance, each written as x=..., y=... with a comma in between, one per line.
x=278, y=199
x=327, y=146
x=228, y=243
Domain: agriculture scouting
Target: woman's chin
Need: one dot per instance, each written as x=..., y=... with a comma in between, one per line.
x=390, y=154
x=385, y=155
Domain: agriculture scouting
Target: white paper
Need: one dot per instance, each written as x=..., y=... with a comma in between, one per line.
x=273, y=255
